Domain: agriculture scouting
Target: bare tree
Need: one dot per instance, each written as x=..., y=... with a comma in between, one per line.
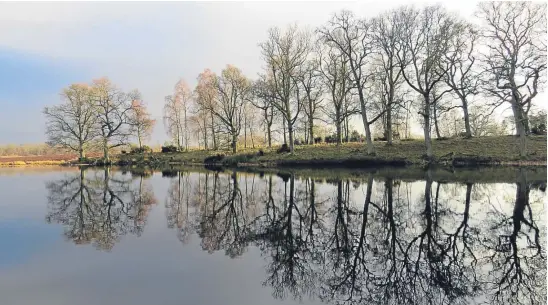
x=71, y=124
x=113, y=108
x=310, y=82
x=176, y=114
x=285, y=53
x=232, y=87
x=205, y=99
x=336, y=79
x=460, y=62
x=139, y=117
x=262, y=97
x=424, y=39
x=385, y=38
x=515, y=34
x=350, y=36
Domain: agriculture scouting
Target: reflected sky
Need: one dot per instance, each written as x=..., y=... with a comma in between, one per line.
x=107, y=237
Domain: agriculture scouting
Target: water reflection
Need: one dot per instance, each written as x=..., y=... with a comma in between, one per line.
x=339, y=240
x=99, y=207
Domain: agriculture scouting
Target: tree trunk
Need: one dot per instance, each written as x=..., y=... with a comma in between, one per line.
x=427, y=138
x=234, y=141
x=339, y=132
x=285, y=136
x=251, y=134
x=81, y=153
x=467, y=128
x=368, y=139
x=346, y=129
x=521, y=128
x=389, y=125
x=290, y=131
x=311, y=129
x=105, y=151
x=205, y=133
x=213, y=133
x=435, y=113
x=245, y=131
x=269, y=134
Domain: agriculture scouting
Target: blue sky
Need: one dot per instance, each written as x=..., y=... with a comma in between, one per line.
x=28, y=82
x=144, y=45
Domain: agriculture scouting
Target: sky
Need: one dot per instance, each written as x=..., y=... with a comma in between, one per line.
x=45, y=47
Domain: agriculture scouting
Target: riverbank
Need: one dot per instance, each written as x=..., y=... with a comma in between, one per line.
x=486, y=151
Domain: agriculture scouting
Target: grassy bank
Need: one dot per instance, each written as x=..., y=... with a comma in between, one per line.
x=453, y=152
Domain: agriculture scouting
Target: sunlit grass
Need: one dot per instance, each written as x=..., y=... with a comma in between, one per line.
x=501, y=149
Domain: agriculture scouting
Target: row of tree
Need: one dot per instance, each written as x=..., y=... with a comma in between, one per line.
x=406, y=59
x=384, y=70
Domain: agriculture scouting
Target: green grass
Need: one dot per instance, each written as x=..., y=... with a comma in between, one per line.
x=503, y=150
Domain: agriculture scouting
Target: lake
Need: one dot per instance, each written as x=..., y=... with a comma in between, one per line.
x=197, y=236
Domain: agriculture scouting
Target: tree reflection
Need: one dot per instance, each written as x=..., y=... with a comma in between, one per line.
x=98, y=207
x=445, y=245
x=516, y=259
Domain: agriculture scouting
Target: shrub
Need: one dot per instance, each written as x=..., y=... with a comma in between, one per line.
x=169, y=149
x=539, y=129
x=283, y=149
x=214, y=159
x=141, y=150
x=234, y=160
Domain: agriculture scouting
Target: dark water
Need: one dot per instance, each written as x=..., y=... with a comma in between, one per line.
x=204, y=237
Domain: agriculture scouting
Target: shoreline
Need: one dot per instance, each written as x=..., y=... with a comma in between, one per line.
x=450, y=153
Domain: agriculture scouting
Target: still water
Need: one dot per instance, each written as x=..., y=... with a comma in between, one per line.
x=204, y=237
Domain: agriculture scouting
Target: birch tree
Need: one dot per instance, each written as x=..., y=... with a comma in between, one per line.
x=140, y=119
x=176, y=114
x=205, y=98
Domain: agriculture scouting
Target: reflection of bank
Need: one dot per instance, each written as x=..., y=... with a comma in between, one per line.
x=98, y=206
x=437, y=247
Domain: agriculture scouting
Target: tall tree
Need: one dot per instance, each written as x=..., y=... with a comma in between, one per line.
x=176, y=114
x=113, y=108
x=310, y=83
x=262, y=98
x=385, y=37
x=461, y=75
x=351, y=36
x=425, y=38
x=72, y=123
x=232, y=87
x=515, y=37
x=285, y=52
x=140, y=119
x=336, y=79
x=205, y=98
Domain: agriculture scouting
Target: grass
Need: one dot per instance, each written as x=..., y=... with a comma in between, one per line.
x=31, y=163
x=501, y=150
